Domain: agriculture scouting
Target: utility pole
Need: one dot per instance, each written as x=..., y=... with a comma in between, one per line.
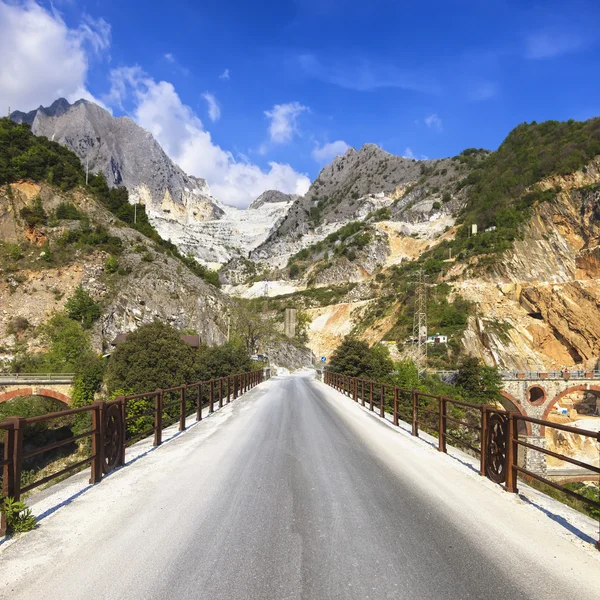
x=228, y=326
x=420, y=323
x=87, y=169
x=135, y=213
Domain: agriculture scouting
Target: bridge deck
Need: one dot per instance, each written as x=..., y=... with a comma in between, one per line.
x=297, y=493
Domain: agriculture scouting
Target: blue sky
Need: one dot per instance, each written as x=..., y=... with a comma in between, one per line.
x=292, y=82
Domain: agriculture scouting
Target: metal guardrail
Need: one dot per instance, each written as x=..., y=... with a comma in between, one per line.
x=529, y=375
x=115, y=425
x=488, y=432
x=565, y=374
x=25, y=377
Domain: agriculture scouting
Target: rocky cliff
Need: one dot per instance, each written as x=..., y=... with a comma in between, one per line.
x=127, y=155
x=148, y=285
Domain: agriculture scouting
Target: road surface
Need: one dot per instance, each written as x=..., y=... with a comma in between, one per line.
x=294, y=492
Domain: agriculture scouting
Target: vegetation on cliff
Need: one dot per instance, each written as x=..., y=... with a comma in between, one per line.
x=26, y=156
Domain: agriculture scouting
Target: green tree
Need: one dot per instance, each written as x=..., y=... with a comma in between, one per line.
x=251, y=326
x=406, y=375
x=303, y=321
x=355, y=358
x=478, y=381
x=68, y=343
x=220, y=361
x=154, y=356
x=82, y=307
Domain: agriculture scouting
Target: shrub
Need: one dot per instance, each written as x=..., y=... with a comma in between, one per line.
x=19, y=517
x=15, y=252
x=82, y=307
x=35, y=215
x=17, y=325
x=111, y=265
x=67, y=211
x=436, y=206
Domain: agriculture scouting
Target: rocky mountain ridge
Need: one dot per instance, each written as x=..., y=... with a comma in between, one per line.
x=128, y=155
x=178, y=205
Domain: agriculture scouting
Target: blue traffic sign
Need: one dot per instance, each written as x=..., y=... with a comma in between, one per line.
x=323, y=359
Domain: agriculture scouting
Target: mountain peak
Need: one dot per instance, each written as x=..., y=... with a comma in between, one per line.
x=272, y=197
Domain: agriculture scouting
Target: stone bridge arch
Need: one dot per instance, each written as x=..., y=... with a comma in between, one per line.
x=61, y=392
x=515, y=405
x=569, y=390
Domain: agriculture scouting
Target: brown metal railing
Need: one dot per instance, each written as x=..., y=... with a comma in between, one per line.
x=487, y=432
x=115, y=425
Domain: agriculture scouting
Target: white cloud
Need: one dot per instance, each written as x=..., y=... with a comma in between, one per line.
x=42, y=58
x=550, y=44
x=363, y=75
x=181, y=133
x=284, y=118
x=214, y=110
x=169, y=57
x=483, y=90
x=408, y=153
x=433, y=122
x=225, y=74
x=328, y=152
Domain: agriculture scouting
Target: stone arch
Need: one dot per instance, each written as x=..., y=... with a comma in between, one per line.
x=516, y=406
x=566, y=392
x=532, y=392
x=39, y=392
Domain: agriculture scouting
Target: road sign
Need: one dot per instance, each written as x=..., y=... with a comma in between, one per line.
x=323, y=359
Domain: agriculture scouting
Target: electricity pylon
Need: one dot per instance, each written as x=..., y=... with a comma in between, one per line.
x=420, y=323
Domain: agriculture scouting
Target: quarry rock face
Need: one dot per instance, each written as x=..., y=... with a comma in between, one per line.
x=180, y=206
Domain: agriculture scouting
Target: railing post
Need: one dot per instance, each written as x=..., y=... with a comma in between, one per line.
x=396, y=406
x=220, y=392
x=123, y=409
x=17, y=456
x=158, y=414
x=512, y=449
x=362, y=391
x=415, y=416
x=483, y=437
x=182, y=401
x=8, y=472
x=97, y=441
x=199, y=403
x=371, y=397
x=228, y=388
x=235, y=386
x=211, y=402
x=355, y=389
x=382, y=402
x=442, y=432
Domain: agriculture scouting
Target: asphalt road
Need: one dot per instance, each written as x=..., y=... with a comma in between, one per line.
x=294, y=492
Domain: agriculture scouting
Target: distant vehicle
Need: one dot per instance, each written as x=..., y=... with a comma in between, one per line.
x=260, y=357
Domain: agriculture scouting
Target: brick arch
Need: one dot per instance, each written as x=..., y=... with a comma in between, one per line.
x=40, y=392
x=570, y=390
x=519, y=408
